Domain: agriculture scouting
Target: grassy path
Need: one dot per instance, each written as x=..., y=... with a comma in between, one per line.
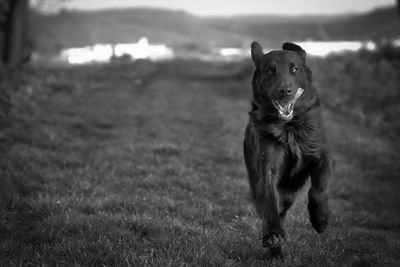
x=141, y=165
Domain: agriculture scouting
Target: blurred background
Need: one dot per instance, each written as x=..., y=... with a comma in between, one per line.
x=121, y=128
x=168, y=29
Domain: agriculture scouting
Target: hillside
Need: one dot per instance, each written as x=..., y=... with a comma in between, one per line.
x=378, y=24
x=171, y=27
x=185, y=31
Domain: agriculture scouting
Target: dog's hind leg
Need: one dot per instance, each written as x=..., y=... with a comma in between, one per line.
x=288, y=189
x=286, y=200
x=276, y=252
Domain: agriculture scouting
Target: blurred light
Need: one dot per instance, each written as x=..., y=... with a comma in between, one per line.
x=396, y=43
x=227, y=52
x=104, y=52
x=78, y=55
x=370, y=45
x=233, y=53
x=325, y=48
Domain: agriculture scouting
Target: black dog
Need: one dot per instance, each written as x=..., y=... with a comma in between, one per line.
x=285, y=142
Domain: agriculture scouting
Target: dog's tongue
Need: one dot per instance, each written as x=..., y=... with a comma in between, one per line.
x=299, y=92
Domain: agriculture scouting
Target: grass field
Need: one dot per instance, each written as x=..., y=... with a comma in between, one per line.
x=141, y=165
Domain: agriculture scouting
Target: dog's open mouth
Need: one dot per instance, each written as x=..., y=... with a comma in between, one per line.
x=285, y=109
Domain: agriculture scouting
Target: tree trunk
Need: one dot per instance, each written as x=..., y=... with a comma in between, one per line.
x=4, y=9
x=398, y=6
x=14, y=40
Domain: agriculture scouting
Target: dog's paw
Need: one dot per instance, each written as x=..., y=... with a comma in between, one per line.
x=319, y=224
x=273, y=238
x=319, y=215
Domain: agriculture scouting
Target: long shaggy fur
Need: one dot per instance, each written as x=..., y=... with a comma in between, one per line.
x=281, y=154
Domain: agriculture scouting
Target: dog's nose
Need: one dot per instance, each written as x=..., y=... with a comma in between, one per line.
x=285, y=91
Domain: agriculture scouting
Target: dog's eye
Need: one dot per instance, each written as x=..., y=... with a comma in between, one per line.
x=270, y=71
x=293, y=69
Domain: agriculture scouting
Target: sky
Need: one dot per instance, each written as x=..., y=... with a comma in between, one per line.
x=237, y=7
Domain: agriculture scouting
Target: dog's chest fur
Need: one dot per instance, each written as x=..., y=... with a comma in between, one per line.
x=300, y=140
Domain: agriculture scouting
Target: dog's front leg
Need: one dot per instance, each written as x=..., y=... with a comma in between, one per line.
x=266, y=203
x=318, y=195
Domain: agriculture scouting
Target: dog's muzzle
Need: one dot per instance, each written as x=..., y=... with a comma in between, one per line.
x=285, y=109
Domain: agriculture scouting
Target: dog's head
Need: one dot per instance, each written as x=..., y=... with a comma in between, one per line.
x=282, y=80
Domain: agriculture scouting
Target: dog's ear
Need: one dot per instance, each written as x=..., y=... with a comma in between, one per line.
x=294, y=47
x=256, y=52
